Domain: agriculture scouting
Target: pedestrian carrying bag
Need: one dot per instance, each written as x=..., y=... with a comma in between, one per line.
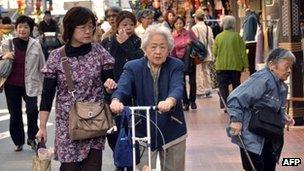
x=201, y=50
x=266, y=123
x=86, y=119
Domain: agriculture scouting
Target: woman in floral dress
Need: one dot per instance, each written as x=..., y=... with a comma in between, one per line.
x=91, y=69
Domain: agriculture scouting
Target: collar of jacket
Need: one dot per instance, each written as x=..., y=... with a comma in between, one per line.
x=163, y=64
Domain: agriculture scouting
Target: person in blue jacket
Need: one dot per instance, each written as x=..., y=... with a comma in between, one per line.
x=250, y=25
x=263, y=89
x=157, y=80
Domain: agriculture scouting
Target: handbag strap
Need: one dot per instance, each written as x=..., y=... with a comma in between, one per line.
x=125, y=116
x=67, y=70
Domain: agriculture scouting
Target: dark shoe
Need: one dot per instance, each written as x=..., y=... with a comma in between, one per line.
x=186, y=107
x=193, y=105
x=208, y=94
x=32, y=143
x=18, y=148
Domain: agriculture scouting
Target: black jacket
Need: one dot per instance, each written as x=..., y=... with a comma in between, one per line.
x=124, y=52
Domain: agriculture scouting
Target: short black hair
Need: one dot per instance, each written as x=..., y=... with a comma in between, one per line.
x=6, y=20
x=25, y=19
x=123, y=15
x=74, y=17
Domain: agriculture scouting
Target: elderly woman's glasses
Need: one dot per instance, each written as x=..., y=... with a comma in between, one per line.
x=85, y=28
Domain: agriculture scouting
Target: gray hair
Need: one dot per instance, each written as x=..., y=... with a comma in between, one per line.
x=278, y=54
x=228, y=22
x=115, y=9
x=157, y=29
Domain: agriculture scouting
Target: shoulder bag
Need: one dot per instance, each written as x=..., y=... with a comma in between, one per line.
x=201, y=50
x=86, y=119
x=266, y=122
x=6, y=65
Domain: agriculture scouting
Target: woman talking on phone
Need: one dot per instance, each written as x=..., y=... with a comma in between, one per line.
x=124, y=46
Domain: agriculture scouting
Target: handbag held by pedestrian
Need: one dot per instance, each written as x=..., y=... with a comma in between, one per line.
x=43, y=157
x=6, y=65
x=86, y=119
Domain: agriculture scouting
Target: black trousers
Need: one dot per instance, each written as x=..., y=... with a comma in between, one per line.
x=264, y=162
x=92, y=163
x=224, y=78
x=14, y=95
x=251, y=47
x=192, y=83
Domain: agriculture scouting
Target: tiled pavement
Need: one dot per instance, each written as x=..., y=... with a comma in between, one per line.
x=209, y=149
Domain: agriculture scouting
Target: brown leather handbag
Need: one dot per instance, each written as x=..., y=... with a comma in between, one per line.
x=86, y=119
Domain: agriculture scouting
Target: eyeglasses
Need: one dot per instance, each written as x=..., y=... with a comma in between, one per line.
x=85, y=28
x=113, y=16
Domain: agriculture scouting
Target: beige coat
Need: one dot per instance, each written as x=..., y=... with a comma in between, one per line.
x=34, y=62
x=200, y=30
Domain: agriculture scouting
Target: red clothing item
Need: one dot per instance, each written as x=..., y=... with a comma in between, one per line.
x=181, y=41
x=16, y=77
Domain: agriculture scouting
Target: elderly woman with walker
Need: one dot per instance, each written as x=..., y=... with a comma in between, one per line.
x=157, y=80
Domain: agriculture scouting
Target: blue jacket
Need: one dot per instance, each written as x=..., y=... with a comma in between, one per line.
x=250, y=26
x=260, y=90
x=136, y=81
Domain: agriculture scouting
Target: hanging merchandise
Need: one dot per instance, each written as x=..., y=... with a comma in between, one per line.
x=29, y=7
x=50, y=5
x=21, y=7
x=38, y=7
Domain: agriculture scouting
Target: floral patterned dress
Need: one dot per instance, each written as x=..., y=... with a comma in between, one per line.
x=86, y=75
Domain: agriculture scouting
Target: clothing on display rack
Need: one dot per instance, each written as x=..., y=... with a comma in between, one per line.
x=259, y=55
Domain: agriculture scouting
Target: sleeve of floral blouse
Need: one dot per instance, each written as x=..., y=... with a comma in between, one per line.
x=107, y=60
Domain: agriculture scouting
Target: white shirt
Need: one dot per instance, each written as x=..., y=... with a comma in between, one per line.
x=140, y=31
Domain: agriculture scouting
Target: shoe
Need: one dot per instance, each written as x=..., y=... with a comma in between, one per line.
x=186, y=107
x=18, y=148
x=208, y=94
x=32, y=143
x=193, y=105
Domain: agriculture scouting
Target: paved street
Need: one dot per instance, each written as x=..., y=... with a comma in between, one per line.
x=208, y=148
